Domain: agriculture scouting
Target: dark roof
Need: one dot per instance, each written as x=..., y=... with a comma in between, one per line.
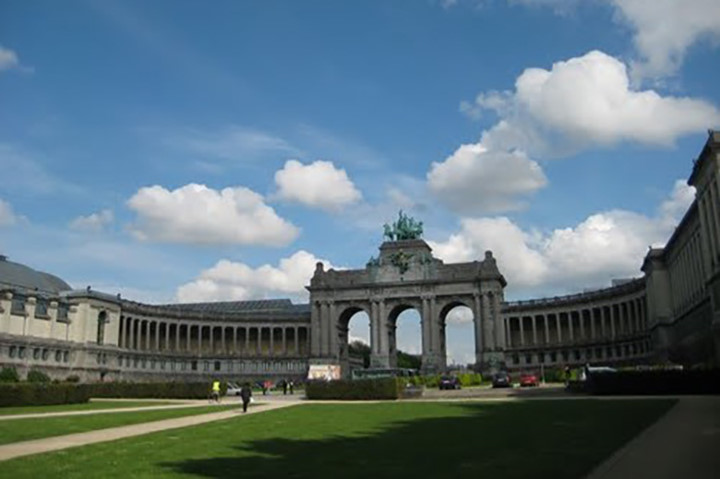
x=231, y=307
x=18, y=276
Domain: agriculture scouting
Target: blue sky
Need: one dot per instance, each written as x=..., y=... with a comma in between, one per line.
x=192, y=151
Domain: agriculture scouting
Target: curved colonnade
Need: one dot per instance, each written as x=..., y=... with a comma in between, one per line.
x=608, y=325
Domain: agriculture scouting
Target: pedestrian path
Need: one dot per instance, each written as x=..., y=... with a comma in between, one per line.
x=683, y=444
x=110, y=410
x=26, y=448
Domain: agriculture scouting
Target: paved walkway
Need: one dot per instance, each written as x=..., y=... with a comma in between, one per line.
x=110, y=410
x=683, y=444
x=26, y=448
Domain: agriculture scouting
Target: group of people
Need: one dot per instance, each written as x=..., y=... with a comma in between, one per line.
x=245, y=393
x=246, y=390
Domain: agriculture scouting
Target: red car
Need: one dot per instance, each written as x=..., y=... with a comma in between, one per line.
x=529, y=380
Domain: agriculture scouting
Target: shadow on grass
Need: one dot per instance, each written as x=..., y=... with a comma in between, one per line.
x=559, y=439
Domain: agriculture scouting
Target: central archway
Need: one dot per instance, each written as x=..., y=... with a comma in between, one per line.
x=406, y=276
x=405, y=322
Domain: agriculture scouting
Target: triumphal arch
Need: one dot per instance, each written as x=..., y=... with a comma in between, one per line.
x=405, y=275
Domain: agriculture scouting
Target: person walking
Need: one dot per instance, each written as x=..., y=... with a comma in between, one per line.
x=285, y=386
x=246, y=396
x=292, y=386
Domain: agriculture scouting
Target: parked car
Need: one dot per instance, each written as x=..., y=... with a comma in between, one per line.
x=449, y=382
x=233, y=389
x=529, y=380
x=501, y=380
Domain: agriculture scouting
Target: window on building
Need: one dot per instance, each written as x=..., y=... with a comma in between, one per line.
x=516, y=359
x=217, y=366
x=576, y=353
x=13, y=351
x=41, y=308
x=17, y=306
x=553, y=357
x=564, y=356
x=206, y=365
x=609, y=352
x=66, y=356
x=143, y=363
x=162, y=364
x=193, y=365
x=36, y=353
x=101, y=321
x=21, y=352
x=45, y=354
x=58, y=356
x=541, y=358
x=62, y=312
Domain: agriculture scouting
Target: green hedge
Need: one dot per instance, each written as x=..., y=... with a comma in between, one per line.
x=172, y=390
x=359, y=389
x=42, y=394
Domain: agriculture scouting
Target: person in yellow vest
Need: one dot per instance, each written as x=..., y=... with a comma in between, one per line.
x=216, y=390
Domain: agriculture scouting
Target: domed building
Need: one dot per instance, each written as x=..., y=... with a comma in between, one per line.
x=670, y=314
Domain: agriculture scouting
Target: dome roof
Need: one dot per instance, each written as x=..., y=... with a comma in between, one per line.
x=19, y=276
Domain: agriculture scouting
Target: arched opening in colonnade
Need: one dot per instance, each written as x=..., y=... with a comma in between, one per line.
x=405, y=337
x=355, y=343
x=457, y=335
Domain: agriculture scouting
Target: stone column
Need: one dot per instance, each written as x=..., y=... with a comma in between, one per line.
x=581, y=318
x=315, y=329
x=558, y=325
x=246, y=348
x=478, y=321
x=547, y=328
x=592, y=324
x=177, y=336
x=283, y=332
x=188, y=333
x=167, y=337
x=570, y=326
x=271, y=347
x=147, y=335
x=211, y=330
x=533, y=321
x=498, y=326
x=333, y=331
x=612, y=321
x=487, y=321
x=223, y=348
x=522, y=331
x=297, y=341
x=258, y=349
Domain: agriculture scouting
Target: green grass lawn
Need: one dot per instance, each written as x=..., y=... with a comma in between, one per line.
x=89, y=406
x=558, y=439
x=16, y=430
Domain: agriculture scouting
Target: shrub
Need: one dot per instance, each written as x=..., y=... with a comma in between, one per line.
x=42, y=394
x=171, y=390
x=72, y=379
x=35, y=376
x=9, y=375
x=359, y=389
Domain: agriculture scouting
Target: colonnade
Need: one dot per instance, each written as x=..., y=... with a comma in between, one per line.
x=143, y=334
x=578, y=324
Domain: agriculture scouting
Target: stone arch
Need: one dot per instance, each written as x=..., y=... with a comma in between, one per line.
x=343, y=335
x=447, y=307
x=396, y=309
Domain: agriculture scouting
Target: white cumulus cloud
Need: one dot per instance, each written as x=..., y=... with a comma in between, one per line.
x=319, y=185
x=585, y=102
x=8, y=59
x=605, y=245
x=7, y=216
x=475, y=180
x=94, y=222
x=197, y=214
x=229, y=280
